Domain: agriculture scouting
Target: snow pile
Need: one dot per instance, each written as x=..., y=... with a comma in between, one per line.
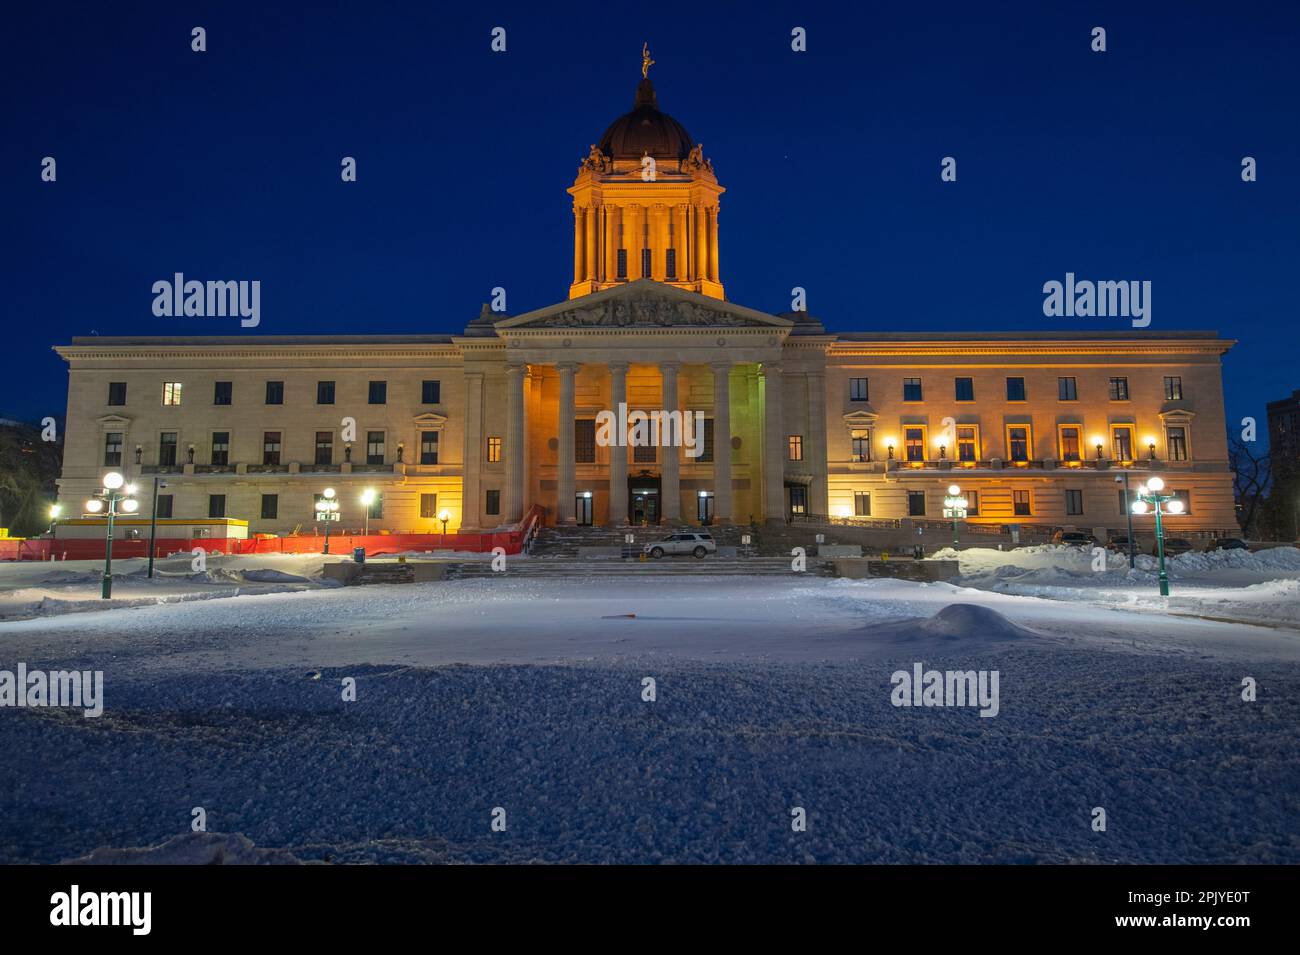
x=961, y=624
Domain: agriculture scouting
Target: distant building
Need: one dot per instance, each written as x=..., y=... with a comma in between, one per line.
x=799, y=423
x=1284, y=434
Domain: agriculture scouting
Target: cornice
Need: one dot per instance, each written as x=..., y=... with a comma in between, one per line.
x=1023, y=347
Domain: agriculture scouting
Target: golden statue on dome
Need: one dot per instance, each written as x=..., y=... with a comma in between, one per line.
x=646, y=62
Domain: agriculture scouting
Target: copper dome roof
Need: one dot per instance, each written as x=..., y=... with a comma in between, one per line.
x=646, y=130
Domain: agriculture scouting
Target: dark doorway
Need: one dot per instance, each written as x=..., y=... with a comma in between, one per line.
x=643, y=501
x=582, y=508
x=797, y=501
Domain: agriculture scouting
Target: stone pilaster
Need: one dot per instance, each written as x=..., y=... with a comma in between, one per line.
x=722, y=509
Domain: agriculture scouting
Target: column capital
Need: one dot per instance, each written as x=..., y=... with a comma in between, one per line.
x=674, y=364
x=619, y=367
x=770, y=368
x=516, y=367
x=568, y=366
x=722, y=365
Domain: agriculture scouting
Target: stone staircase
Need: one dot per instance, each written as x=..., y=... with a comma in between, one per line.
x=563, y=543
x=677, y=566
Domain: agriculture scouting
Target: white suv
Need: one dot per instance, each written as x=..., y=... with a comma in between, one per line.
x=689, y=542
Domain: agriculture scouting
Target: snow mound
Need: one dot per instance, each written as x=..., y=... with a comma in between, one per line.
x=964, y=623
x=192, y=848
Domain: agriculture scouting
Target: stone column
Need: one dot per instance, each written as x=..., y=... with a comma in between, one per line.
x=564, y=503
x=632, y=241
x=514, y=444
x=713, y=245
x=815, y=443
x=658, y=242
x=618, y=449
x=577, y=245
x=680, y=244
x=593, y=246
x=721, y=441
x=670, y=454
x=471, y=503
x=701, y=264
x=774, y=444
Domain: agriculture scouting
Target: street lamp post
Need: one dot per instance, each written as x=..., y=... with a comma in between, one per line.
x=1149, y=496
x=153, y=522
x=954, y=506
x=327, y=511
x=367, y=499
x=444, y=516
x=1128, y=515
x=107, y=500
x=55, y=511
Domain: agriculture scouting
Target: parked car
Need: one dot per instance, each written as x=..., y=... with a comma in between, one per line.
x=1074, y=539
x=1228, y=543
x=1174, y=546
x=695, y=543
x=1120, y=542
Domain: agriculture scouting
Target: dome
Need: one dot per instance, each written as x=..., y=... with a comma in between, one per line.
x=646, y=130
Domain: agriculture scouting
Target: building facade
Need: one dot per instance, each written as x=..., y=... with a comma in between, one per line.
x=798, y=423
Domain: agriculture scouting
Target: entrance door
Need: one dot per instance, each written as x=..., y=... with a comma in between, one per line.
x=798, y=496
x=643, y=499
x=704, y=507
x=582, y=509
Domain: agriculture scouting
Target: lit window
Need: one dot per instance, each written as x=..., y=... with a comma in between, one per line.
x=796, y=447
x=1173, y=388
x=494, y=453
x=914, y=443
x=1119, y=389
x=1121, y=444
x=861, y=445
x=1176, y=442
x=1070, y=440
x=1020, y=503
x=172, y=393
x=911, y=389
x=428, y=447
x=967, y=443
x=1018, y=442
x=271, y=447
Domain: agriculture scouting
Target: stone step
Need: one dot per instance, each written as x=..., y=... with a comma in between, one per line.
x=668, y=567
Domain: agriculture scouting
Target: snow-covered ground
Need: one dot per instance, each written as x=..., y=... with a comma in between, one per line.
x=1261, y=587
x=527, y=694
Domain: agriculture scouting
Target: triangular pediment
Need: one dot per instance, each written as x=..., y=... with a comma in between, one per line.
x=113, y=420
x=644, y=305
x=430, y=419
x=864, y=417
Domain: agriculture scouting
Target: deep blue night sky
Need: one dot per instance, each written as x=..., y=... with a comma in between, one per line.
x=225, y=165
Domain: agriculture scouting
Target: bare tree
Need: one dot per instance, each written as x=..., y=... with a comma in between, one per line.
x=1252, y=479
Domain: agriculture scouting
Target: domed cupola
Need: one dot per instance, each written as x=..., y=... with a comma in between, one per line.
x=645, y=204
x=646, y=131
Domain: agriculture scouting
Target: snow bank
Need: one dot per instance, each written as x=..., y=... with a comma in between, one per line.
x=192, y=848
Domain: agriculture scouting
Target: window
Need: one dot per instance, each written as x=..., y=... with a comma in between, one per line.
x=1070, y=440
x=645, y=263
x=1121, y=443
x=965, y=389
x=1018, y=442
x=706, y=443
x=967, y=443
x=584, y=441
x=1015, y=389
x=220, y=448
x=972, y=503
x=374, y=447
x=324, y=447
x=431, y=392
x=222, y=391
x=1020, y=503
x=167, y=449
x=1067, y=389
x=911, y=389
x=113, y=449
x=644, y=454
x=117, y=392
x=378, y=393
x=858, y=389
x=670, y=258
x=914, y=444
x=164, y=505
x=172, y=393
x=861, y=445
x=1186, y=498
x=796, y=447
x=1119, y=389
x=861, y=503
x=270, y=507
x=216, y=505
x=916, y=504
x=376, y=509
x=324, y=392
x=429, y=506
x=1173, y=388
x=428, y=447
x=622, y=264
x=494, y=450
x=1073, y=502
x=1176, y=443
x=271, y=447
x=275, y=392
x=493, y=502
